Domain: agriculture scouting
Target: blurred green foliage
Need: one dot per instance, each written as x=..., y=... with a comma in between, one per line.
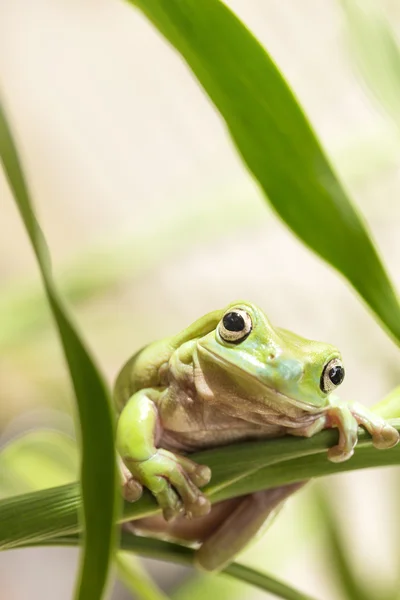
x=280, y=149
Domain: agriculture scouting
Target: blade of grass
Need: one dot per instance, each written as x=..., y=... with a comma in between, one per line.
x=44, y=458
x=161, y=550
x=306, y=467
x=136, y=580
x=98, y=470
x=37, y=460
x=200, y=586
x=22, y=304
x=276, y=142
x=389, y=407
x=376, y=51
x=337, y=552
x=38, y=516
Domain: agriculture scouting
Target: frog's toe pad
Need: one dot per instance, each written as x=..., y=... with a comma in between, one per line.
x=172, y=512
x=200, y=507
x=132, y=490
x=338, y=454
x=385, y=437
x=201, y=476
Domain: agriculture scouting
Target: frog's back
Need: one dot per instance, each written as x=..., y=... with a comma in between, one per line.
x=144, y=369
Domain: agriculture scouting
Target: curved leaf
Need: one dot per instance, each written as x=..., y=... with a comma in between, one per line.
x=161, y=550
x=276, y=141
x=135, y=578
x=37, y=460
x=376, y=51
x=338, y=555
x=39, y=516
x=95, y=416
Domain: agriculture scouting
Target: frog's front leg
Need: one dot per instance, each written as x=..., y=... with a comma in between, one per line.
x=174, y=480
x=347, y=416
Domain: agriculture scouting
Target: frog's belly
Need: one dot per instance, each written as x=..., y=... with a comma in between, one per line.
x=191, y=441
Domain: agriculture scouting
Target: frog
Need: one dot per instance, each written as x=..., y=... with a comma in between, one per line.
x=229, y=377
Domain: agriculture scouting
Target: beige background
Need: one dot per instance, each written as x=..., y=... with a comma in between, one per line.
x=119, y=144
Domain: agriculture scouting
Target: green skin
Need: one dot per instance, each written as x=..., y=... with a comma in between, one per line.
x=197, y=390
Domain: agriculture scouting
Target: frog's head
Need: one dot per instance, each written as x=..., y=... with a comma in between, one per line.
x=246, y=357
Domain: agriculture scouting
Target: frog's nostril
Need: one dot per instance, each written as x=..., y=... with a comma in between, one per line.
x=271, y=356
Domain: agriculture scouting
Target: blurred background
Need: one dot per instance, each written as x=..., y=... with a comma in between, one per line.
x=152, y=221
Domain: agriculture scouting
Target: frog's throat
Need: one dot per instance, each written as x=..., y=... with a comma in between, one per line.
x=305, y=406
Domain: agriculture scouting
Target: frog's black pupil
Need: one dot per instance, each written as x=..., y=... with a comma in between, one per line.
x=336, y=375
x=233, y=321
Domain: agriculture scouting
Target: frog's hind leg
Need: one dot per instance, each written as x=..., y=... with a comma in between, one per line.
x=250, y=517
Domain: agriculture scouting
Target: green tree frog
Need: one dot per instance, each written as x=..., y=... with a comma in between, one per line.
x=230, y=376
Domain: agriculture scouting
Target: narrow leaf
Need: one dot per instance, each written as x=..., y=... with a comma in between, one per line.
x=306, y=467
x=161, y=550
x=136, y=580
x=95, y=417
x=337, y=553
x=376, y=51
x=37, y=460
x=389, y=407
x=39, y=516
x=276, y=141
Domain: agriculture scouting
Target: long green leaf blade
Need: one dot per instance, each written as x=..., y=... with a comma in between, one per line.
x=161, y=550
x=338, y=556
x=135, y=578
x=276, y=141
x=376, y=51
x=38, y=516
x=98, y=470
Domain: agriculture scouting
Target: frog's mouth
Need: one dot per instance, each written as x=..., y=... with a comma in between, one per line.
x=270, y=392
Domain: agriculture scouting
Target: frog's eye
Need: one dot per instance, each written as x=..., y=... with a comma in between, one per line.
x=235, y=326
x=332, y=375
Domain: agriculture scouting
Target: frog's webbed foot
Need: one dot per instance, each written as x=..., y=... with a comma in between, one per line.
x=175, y=480
x=347, y=417
x=383, y=434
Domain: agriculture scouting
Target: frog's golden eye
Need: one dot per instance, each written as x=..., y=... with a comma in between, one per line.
x=332, y=375
x=235, y=326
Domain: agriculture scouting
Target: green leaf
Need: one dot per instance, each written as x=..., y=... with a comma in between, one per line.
x=389, y=407
x=276, y=141
x=37, y=460
x=376, y=51
x=173, y=552
x=136, y=580
x=161, y=550
x=308, y=466
x=38, y=516
x=45, y=458
x=337, y=552
x=97, y=434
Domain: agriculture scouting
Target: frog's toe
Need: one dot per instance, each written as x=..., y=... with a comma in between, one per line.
x=338, y=454
x=200, y=475
x=195, y=503
x=385, y=437
x=169, y=502
x=200, y=507
x=132, y=490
